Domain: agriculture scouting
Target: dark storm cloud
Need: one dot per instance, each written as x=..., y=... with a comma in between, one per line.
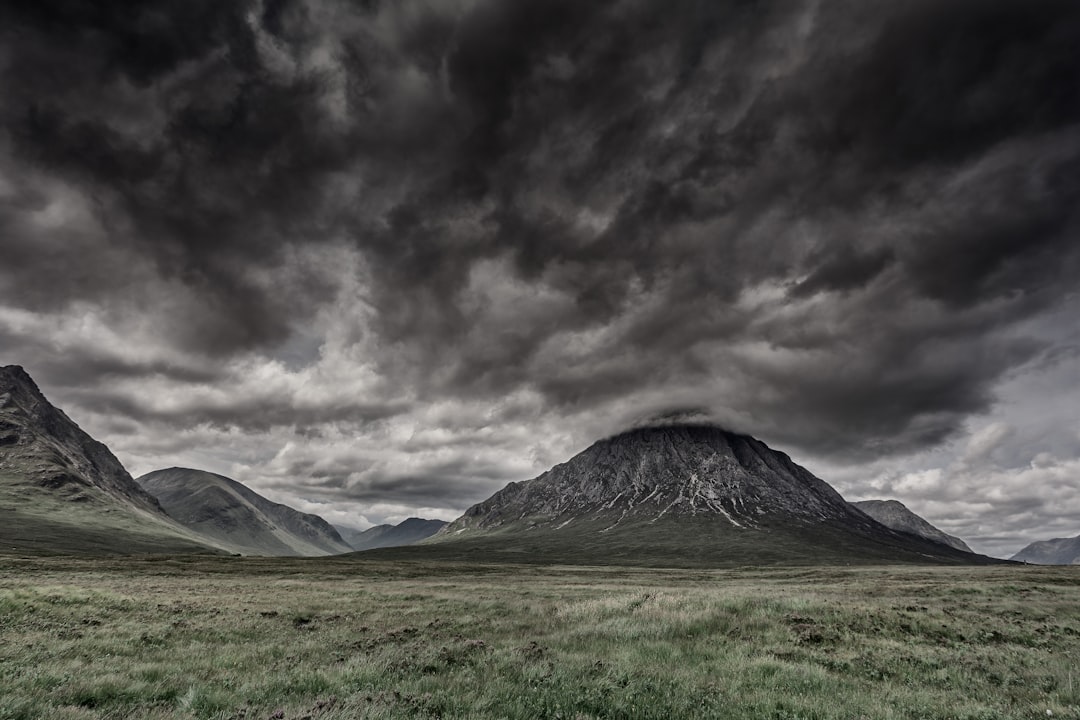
x=945, y=81
x=93, y=367
x=451, y=478
x=844, y=209
x=444, y=484
x=845, y=268
x=164, y=116
x=250, y=413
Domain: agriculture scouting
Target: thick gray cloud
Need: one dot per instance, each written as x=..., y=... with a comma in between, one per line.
x=290, y=237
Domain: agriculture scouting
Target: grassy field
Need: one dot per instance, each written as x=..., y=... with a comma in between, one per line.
x=328, y=639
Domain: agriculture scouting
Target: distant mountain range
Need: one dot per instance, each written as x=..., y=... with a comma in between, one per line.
x=1059, y=551
x=407, y=532
x=61, y=491
x=237, y=518
x=690, y=495
x=679, y=495
x=894, y=514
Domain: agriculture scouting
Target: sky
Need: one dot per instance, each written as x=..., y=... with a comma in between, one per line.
x=377, y=259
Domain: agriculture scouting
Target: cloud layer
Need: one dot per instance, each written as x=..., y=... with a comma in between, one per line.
x=396, y=254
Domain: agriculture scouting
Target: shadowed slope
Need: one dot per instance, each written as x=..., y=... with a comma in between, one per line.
x=1059, y=551
x=406, y=532
x=63, y=491
x=896, y=515
x=236, y=517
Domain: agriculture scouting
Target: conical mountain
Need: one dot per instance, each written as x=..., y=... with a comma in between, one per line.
x=896, y=515
x=63, y=491
x=236, y=517
x=679, y=495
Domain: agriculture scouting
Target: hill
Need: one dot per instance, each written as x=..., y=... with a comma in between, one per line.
x=407, y=532
x=896, y=515
x=61, y=491
x=1059, y=551
x=687, y=495
x=234, y=516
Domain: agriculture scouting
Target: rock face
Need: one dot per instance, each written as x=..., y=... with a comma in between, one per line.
x=52, y=450
x=685, y=494
x=237, y=518
x=63, y=491
x=407, y=532
x=653, y=473
x=1059, y=551
x=894, y=514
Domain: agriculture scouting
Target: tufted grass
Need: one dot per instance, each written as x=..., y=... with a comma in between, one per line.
x=189, y=637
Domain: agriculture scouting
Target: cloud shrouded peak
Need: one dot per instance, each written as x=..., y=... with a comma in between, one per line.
x=409, y=250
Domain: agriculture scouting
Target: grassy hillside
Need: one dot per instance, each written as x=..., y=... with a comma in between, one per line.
x=896, y=515
x=233, y=516
x=61, y=491
x=682, y=542
x=331, y=639
x=82, y=519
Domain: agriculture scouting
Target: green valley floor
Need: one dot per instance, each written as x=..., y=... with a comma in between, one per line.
x=328, y=639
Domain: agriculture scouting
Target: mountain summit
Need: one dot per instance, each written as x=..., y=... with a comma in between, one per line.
x=681, y=494
x=47, y=446
x=63, y=491
x=669, y=470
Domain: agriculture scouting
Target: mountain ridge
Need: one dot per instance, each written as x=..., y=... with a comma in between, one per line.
x=61, y=490
x=408, y=531
x=238, y=518
x=896, y=515
x=1056, y=551
x=76, y=453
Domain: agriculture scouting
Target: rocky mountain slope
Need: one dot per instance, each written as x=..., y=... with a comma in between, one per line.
x=896, y=515
x=407, y=532
x=63, y=491
x=1059, y=551
x=235, y=517
x=678, y=495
